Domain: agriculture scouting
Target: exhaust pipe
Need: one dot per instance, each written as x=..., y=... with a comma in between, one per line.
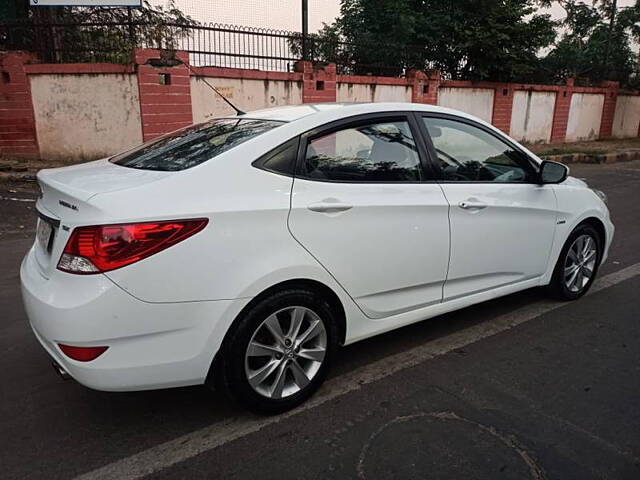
x=60, y=371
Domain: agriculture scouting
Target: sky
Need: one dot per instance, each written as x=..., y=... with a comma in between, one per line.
x=557, y=12
x=274, y=14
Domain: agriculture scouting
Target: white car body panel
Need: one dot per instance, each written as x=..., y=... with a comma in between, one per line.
x=405, y=227
x=506, y=241
x=165, y=317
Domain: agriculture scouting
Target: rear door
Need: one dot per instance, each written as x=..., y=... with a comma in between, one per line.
x=365, y=207
x=502, y=220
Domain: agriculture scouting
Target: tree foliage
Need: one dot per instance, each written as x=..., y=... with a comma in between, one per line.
x=471, y=39
x=501, y=40
x=78, y=34
x=596, y=43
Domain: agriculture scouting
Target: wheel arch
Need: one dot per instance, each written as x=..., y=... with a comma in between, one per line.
x=596, y=223
x=325, y=291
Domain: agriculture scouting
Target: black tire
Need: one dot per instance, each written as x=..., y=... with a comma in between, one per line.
x=558, y=287
x=230, y=369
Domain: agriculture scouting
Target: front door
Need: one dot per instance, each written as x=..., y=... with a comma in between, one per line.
x=502, y=220
x=361, y=205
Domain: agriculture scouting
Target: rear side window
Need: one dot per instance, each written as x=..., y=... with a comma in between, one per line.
x=193, y=145
x=382, y=151
x=281, y=159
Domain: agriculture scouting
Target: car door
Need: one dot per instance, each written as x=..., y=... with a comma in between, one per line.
x=502, y=219
x=364, y=207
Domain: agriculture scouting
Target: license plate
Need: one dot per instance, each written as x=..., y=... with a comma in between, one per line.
x=43, y=233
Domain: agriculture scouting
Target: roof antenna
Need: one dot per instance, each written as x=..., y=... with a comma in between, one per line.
x=238, y=111
x=172, y=60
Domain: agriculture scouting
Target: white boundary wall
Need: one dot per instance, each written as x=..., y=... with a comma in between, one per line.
x=246, y=94
x=532, y=116
x=626, y=120
x=475, y=101
x=85, y=117
x=585, y=115
x=360, y=92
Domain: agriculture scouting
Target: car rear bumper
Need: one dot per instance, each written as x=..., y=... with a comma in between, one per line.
x=151, y=345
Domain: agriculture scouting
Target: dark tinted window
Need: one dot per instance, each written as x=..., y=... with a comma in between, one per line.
x=281, y=159
x=193, y=145
x=470, y=154
x=383, y=151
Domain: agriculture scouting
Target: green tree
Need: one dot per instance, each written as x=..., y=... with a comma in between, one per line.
x=79, y=34
x=596, y=43
x=470, y=39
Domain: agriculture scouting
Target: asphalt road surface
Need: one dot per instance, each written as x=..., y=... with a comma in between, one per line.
x=520, y=387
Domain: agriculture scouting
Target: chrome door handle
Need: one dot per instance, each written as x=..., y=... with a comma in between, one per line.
x=472, y=205
x=329, y=207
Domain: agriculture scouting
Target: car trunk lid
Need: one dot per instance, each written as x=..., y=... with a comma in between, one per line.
x=65, y=202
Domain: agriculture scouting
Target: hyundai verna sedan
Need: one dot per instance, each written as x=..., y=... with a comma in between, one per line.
x=241, y=252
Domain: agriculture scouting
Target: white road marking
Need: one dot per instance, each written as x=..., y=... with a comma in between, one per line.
x=188, y=446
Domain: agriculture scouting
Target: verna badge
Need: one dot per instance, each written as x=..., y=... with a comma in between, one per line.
x=68, y=205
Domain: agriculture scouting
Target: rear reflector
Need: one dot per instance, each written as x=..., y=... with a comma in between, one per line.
x=82, y=354
x=101, y=248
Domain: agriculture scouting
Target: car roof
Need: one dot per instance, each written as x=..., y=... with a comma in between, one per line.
x=310, y=115
x=340, y=110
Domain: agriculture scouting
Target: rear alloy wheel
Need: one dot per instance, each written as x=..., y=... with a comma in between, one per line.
x=279, y=351
x=578, y=264
x=286, y=352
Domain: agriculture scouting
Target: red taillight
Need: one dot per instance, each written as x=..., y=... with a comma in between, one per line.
x=101, y=248
x=82, y=354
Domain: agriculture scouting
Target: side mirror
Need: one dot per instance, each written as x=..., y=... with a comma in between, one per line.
x=553, y=172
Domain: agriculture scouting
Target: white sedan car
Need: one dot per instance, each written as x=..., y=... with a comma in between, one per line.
x=242, y=251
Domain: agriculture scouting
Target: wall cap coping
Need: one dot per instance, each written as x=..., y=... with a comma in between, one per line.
x=225, y=72
x=77, y=68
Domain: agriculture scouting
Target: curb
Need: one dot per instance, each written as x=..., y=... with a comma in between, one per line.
x=594, y=157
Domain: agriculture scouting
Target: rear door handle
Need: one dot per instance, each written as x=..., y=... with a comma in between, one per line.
x=471, y=205
x=327, y=207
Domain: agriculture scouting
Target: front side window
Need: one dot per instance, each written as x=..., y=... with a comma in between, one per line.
x=382, y=151
x=469, y=154
x=193, y=145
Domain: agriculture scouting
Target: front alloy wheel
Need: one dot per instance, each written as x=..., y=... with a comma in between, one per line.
x=578, y=263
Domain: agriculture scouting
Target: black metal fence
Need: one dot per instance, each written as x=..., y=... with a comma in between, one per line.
x=207, y=45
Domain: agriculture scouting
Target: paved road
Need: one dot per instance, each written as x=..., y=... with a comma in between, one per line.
x=520, y=387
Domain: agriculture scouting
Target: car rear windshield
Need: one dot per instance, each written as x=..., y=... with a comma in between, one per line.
x=193, y=145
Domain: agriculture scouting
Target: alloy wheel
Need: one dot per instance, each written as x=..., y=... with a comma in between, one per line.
x=580, y=263
x=285, y=352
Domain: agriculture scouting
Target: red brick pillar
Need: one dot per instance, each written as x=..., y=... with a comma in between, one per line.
x=318, y=82
x=17, y=120
x=502, y=107
x=424, y=87
x=609, y=108
x=165, y=94
x=561, y=112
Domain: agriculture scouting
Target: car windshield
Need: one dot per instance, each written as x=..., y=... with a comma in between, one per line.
x=193, y=145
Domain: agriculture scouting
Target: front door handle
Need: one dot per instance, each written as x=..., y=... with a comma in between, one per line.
x=329, y=207
x=471, y=205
